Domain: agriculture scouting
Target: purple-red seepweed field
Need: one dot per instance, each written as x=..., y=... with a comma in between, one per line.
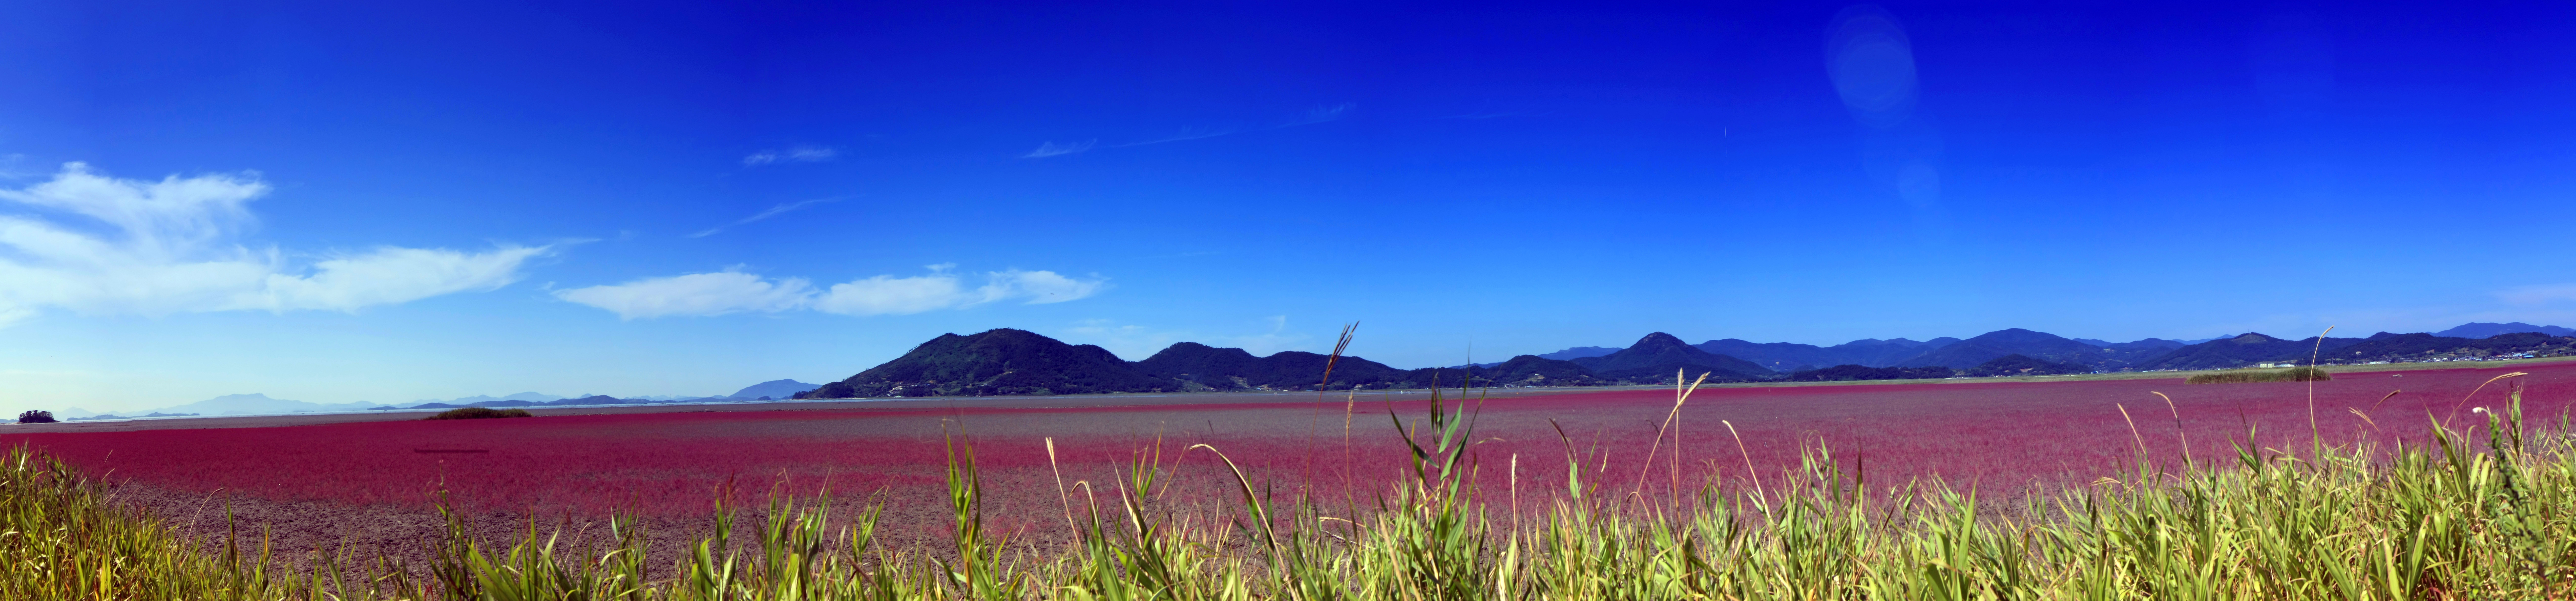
x=2003, y=437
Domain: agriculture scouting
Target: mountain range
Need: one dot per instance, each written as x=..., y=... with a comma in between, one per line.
x=2490, y=330
x=1790, y=356
x=1006, y=361
x=1012, y=362
x=2147, y=354
x=262, y=404
x=997, y=362
x=256, y=403
x=1659, y=353
x=1017, y=362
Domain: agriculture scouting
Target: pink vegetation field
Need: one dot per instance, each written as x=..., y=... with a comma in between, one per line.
x=1996, y=435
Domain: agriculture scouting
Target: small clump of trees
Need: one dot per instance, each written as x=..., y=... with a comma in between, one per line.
x=36, y=416
x=1847, y=372
x=480, y=413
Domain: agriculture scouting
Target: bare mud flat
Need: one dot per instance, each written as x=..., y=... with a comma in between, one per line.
x=1080, y=401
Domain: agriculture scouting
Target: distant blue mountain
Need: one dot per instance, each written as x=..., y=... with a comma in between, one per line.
x=2041, y=346
x=485, y=400
x=1790, y=356
x=775, y=389
x=1660, y=353
x=1570, y=354
x=2490, y=330
x=1580, y=352
x=256, y=403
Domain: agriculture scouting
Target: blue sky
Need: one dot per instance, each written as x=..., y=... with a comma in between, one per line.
x=346, y=202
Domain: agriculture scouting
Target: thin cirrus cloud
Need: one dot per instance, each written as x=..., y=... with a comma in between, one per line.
x=1051, y=149
x=731, y=291
x=1319, y=115
x=1312, y=116
x=798, y=154
x=772, y=212
x=97, y=245
x=1183, y=135
x=2539, y=294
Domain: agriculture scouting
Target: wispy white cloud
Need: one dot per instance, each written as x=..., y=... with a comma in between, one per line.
x=772, y=212
x=1039, y=287
x=889, y=295
x=796, y=154
x=1051, y=149
x=1184, y=135
x=1312, y=116
x=1320, y=114
x=390, y=275
x=696, y=294
x=98, y=245
x=730, y=291
x=2539, y=294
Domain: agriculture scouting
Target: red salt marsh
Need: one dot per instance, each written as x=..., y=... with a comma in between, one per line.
x=1998, y=435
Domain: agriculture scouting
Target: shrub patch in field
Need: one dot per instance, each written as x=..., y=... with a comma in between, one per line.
x=480, y=413
x=2295, y=374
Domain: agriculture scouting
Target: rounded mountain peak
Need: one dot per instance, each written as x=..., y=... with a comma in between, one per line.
x=1658, y=340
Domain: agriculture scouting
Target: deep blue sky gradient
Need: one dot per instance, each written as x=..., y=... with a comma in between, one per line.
x=1496, y=182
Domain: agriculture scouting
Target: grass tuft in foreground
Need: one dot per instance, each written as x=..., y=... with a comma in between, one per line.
x=2487, y=511
x=62, y=538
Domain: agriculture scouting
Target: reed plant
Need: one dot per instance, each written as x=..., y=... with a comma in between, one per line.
x=2486, y=510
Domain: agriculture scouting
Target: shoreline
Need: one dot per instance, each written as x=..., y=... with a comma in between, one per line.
x=1110, y=399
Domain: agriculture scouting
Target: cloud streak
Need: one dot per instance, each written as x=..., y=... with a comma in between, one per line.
x=1051, y=149
x=797, y=154
x=1319, y=115
x=698, y=294
x=1184, y=135
x=1312, y=116
x=98, y=245
x=731, y=291
x=772, y=212
x=2539, y=295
